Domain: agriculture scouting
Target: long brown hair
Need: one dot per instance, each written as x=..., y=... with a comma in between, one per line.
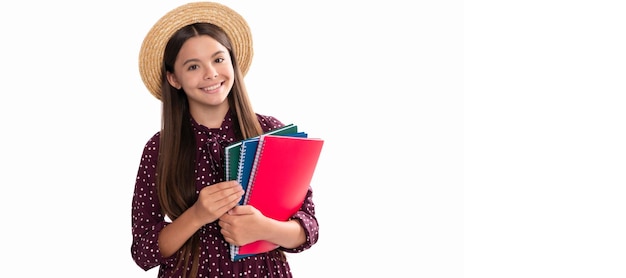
x=175, y=167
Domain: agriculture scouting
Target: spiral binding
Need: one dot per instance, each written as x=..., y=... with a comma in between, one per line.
x=240, y=166
x=255, y=165
x=227, y=167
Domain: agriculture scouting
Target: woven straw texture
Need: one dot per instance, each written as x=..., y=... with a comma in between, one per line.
x=153, y=46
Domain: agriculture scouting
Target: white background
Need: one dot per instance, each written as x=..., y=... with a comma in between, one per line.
x=463, y=139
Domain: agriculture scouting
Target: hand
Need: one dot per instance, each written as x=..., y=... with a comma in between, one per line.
x=242, y=225
x=215, y=200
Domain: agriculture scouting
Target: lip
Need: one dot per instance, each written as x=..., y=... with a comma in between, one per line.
x=212, y=88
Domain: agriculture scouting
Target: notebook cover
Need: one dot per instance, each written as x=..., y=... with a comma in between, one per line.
x=280, y=178
x=232, y=162
x=246, y=160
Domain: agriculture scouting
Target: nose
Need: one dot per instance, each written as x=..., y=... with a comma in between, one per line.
x=211, y=72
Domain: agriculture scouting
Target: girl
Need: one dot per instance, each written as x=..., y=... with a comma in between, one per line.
x=184, y=214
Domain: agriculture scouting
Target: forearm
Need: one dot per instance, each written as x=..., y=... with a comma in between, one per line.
x=174, y=235
x=288, y=234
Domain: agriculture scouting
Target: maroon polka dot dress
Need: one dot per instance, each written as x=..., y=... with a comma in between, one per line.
x=148, y=219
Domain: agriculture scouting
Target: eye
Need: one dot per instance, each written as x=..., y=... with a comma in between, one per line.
x=192, y=67
x=219, y=60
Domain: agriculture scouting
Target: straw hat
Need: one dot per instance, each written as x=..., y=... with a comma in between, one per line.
x=153, y=46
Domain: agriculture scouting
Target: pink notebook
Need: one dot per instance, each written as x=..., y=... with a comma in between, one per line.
x=281, y=175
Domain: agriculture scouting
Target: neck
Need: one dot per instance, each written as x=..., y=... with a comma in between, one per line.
x=211, y=117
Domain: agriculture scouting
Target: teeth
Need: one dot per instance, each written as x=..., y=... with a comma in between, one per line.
x=212, y=87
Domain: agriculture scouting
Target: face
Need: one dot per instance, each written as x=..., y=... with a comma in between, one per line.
x=203, y=69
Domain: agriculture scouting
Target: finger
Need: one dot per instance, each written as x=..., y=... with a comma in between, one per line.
x=218, y=187
x=228, y=202
x=228, y=239
x=229, y=192
x=226, y=233
x=222, y=224
x=240, y=210
x=227, y=185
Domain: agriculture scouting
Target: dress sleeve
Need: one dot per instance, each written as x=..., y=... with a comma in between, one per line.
x=307, y=219
x=147, y=217
x=269, y=122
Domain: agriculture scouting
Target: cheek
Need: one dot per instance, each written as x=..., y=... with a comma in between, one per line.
x=229, y=71
x=189, y=78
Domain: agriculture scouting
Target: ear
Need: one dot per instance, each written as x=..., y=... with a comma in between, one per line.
x=171, y=78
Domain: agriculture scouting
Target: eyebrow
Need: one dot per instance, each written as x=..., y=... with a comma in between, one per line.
x=197, y=60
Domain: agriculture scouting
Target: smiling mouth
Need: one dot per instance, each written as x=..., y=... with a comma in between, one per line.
x=211, y=88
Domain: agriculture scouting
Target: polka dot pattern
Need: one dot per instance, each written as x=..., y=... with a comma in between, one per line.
x=148, y=220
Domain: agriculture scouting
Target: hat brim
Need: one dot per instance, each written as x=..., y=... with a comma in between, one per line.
x=153, y=46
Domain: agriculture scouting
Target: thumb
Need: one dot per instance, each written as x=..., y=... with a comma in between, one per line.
x=240, y=210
